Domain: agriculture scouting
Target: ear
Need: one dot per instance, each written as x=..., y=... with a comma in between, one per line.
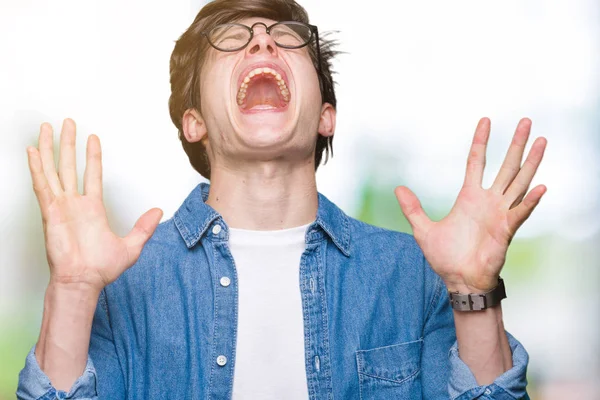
x=194, y=128
x=327, y=121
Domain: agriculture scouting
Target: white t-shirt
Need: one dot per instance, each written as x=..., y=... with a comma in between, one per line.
x=269, y=360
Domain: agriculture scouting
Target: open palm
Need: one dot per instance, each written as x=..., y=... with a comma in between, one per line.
x=80, y=246
x=468, y=247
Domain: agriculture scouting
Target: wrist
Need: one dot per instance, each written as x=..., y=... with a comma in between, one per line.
x=72, y=287
x=71, y=299
x=479, y=287
x=465, y=289
x=469, y=300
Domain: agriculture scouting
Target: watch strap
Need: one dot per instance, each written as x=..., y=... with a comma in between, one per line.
x=478, y=302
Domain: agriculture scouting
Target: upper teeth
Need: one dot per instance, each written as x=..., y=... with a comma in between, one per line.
x=260, y=71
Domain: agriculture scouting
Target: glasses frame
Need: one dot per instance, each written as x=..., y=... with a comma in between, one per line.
x=314, y=32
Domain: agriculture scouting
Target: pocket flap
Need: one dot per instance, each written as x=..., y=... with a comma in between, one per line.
x=396, y=362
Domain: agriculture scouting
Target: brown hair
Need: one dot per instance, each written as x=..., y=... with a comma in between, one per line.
x=190, y=49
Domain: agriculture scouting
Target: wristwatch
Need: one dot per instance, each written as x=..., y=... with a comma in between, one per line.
x=478, y=302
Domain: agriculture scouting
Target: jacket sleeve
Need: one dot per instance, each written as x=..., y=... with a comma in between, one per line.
x=101, y=379
x=446, y=375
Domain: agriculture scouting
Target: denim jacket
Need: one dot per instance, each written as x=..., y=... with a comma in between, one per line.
x=377, y=320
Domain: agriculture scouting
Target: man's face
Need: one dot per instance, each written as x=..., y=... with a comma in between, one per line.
x=262, y=101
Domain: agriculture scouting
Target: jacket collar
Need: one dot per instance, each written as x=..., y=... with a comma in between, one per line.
x=194, y=217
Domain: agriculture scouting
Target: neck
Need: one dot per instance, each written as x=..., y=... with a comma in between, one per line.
x=265, y=196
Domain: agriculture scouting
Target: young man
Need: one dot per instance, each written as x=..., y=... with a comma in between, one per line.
x=259, y=287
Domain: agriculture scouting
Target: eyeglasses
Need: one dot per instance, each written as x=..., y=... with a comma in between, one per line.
x=286, y=34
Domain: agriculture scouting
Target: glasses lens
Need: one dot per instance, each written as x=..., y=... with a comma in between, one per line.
x=229, y=36
x=291, y=34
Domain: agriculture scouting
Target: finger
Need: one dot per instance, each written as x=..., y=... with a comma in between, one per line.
x=46, y=149
x=411, y=207
x=141, y=232
x=92, y=177
x=520, y=213
x=67, y=170
x=518, y=199
x=520, y=184
x=476, y=160
x=40, y=184
x=512, y=162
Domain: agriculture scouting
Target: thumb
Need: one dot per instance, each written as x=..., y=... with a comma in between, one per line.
x=412, y=210
x=141, y=232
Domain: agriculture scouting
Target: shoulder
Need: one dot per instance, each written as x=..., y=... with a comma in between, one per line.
x=165, y=236
x=161, y=254
x=387, y=251
x=367, y=236
x=393, y=262
x=164, y=244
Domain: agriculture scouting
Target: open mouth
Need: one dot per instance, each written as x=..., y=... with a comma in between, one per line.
x=263, y=89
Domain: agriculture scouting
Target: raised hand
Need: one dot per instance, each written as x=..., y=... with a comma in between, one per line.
x=80, y=246
x=468, y=247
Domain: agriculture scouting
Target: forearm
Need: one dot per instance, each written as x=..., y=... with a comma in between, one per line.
x=62, y=348
x=483, y=344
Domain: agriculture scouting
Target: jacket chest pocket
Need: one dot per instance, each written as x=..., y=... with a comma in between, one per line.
x=390, y=372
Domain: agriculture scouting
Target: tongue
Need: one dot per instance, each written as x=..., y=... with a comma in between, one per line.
x=263, y=92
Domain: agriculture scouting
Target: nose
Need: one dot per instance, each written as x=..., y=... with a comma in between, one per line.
x=261, y=42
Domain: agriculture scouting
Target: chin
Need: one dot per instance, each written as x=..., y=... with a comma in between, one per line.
x=265, y=128
x=263, y=133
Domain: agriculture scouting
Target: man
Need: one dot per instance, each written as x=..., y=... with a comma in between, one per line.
x=259, y=287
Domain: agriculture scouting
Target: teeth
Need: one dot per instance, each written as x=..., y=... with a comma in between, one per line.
x=259, y=71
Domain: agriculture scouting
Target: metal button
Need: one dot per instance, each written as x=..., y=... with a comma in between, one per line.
x=221, y=360
x=225, y=281
x=488, y=392
x=216, y=229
